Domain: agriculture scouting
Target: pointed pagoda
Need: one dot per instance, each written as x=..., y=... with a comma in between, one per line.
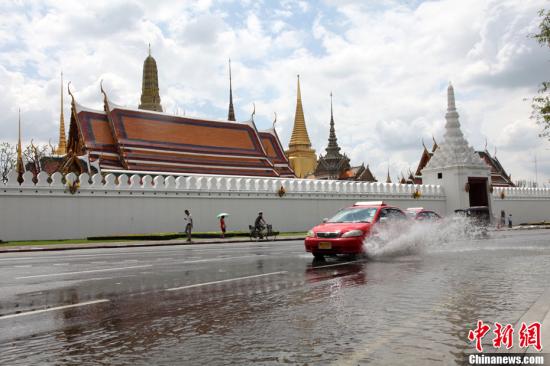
x=300, y=154
x=388, y=178
x=62, y=145
x=454, y=150
x=150, y=97
x=19, y=165
x=333, y=165
x=231, y=112
x=457, y=166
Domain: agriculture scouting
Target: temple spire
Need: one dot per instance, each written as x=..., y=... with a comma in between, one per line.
x=333, y=165
x=150, y=97
x=332, y=148
x=231, y=113
x=20, y=167
x=450, y=98
x=388, y=178
x=62, y=146
x=299, y=132
x=454, y=150
x=300, y=154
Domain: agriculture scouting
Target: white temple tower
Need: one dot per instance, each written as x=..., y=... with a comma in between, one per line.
x=457, y=167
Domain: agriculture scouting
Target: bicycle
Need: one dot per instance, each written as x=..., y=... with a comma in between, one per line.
x=266, y=233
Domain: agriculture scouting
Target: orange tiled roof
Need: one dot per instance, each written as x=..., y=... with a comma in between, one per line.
x=274, y=150
x=140, y=140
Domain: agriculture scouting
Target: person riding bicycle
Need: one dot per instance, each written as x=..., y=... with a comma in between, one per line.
x=260, y=224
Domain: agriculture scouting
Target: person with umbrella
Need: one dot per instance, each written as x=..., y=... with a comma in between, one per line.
x=222, y=223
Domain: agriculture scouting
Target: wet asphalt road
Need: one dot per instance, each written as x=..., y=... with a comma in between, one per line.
x=263, y=303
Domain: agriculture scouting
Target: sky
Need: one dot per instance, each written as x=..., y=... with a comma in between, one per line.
x=387, y=62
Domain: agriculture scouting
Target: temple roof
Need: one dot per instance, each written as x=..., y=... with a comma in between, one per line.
x=275, y=152
x=124, y=138
x=426, y=156
x=362, y=173
x=499, y=177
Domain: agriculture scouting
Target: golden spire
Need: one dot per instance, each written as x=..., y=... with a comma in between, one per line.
x=150, y=97
x=299, y=133
x=62, y=146
x=20, y=168
x=301, y=156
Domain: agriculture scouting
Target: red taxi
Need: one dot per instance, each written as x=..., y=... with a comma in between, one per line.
x=420, y=214
x=345, y=232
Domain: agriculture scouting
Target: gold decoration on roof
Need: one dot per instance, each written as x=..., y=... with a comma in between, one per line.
x=62, y=146
x=299, y=133
x=301, y=156
x=20, y=167
x=150, y=97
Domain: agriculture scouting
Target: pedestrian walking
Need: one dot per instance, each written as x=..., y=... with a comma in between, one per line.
x=222, y=225
x=189, y=227
x=510, y=221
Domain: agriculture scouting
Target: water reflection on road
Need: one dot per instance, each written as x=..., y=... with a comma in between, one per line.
x=274, y=305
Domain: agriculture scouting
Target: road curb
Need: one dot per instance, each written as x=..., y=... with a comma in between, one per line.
x=539, y=311
x=138, y=245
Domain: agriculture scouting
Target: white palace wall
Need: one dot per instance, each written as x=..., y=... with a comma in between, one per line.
x=527, y=205
x=150, y=205
x=48, y=210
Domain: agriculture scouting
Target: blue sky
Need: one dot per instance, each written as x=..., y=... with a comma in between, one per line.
x=387, y=63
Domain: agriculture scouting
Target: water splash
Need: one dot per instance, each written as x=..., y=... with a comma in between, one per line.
x=418, y=237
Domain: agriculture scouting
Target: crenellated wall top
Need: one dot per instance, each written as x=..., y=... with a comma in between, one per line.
x=502, y=193
x=71, y=184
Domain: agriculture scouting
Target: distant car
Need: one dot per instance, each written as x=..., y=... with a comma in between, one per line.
x=345, y=232
x=420, y=214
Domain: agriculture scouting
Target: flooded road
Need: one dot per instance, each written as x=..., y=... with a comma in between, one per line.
x=264, y=304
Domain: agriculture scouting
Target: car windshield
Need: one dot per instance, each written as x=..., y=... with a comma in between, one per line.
x=355, y=214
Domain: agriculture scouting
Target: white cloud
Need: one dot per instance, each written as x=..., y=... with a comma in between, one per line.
x=387, y=64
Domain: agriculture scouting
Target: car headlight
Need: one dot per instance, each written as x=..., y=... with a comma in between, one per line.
x=310, y=234
x=353, y=234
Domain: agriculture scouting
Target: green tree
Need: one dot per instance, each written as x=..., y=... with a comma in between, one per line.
x=541, y=102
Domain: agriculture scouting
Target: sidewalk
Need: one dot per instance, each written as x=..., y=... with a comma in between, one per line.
x=130, y=244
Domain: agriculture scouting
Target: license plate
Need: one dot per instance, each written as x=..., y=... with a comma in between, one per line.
x=325, y=245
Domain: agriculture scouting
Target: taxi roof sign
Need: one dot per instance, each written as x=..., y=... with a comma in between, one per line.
x=370, y=203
